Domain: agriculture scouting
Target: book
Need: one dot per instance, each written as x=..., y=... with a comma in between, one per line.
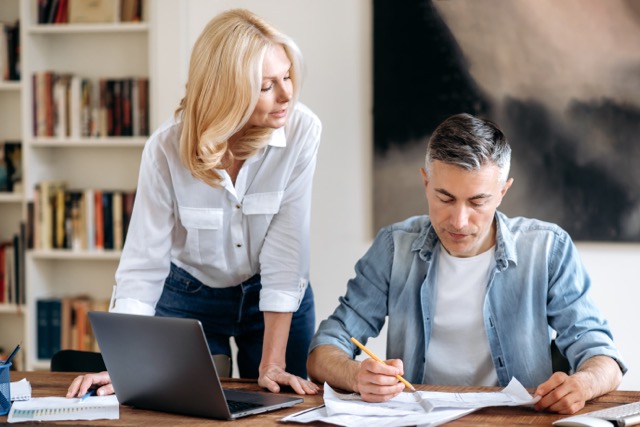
x=88, y=202
x=48, y=312
x=82, y=340
x=48, y=191
x=99, y=220
x=117, y=214
x=54, y=312
x=107, y=218
x=131, y=10
x=59, y=213
x=86, y=11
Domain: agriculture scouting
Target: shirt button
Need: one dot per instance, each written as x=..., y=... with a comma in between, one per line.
x=238, y=245
x=238, y=206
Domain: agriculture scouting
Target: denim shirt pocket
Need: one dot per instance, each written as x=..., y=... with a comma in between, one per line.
x=204, y=235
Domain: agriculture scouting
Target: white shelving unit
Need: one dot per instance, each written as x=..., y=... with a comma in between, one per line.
x=12, y=317
x=112, y=50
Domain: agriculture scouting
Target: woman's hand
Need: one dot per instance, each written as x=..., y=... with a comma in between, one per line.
x=272, y=376
x=81, y=385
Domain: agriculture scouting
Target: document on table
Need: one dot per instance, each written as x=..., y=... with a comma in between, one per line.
x=61, y=409
x=20, y=390
x=423, y=408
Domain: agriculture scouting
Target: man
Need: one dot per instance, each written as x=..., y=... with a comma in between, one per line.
x=471, y=295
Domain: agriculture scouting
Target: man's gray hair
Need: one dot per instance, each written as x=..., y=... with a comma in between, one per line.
x=470, y=143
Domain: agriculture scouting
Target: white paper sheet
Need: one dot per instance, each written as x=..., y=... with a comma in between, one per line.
x=423, y=408
x=61, y=408
x=20, y=390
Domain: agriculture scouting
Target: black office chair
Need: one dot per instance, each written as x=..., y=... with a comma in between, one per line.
x=558, y=361
x=89, y=361
x=77, y=361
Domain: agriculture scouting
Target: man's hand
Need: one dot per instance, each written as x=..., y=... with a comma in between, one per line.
x=81, y=385
x=562, y=393
x=377, y=382
x=272, y=376
x=567, y=394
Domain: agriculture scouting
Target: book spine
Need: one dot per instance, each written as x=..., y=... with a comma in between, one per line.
x=107, y=218
x=118, y=237
x=99, y=221
x=43, y=340
x=55, y=317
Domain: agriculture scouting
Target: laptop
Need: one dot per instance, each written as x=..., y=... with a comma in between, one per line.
x=164, y=364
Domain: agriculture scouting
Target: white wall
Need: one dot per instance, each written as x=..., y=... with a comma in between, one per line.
x=335, y=38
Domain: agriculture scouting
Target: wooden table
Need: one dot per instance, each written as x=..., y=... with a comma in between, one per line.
x=56, y=383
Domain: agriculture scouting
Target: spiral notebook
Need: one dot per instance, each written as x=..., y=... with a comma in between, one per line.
x=62, y=409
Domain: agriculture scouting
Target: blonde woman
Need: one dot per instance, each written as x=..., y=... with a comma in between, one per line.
x=220, y=226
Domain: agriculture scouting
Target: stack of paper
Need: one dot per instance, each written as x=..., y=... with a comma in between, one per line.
x=423, y=408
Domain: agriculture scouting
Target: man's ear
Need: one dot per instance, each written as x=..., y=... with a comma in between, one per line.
x=425, y=179
x=506, y=187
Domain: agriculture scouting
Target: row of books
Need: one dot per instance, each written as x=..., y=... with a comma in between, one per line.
x=88, y=11
x=10, y=51
x=80, y=220
x=66, y=105
x=12, y=267
x=62, y=324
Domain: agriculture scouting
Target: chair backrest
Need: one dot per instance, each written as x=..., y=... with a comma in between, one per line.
x=558, y=361
x=222, y=363
x=88, y=361
x=77, y=361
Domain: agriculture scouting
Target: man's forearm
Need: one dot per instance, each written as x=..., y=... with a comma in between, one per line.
x=327, y=363
x=602, y=373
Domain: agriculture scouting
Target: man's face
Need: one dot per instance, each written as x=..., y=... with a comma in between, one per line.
x=462, y=205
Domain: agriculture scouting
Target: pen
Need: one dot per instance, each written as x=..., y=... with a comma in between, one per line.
x=87, y=394
x=13, y=353
x=377, y=359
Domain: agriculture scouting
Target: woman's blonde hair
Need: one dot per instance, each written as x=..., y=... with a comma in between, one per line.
x=225, y=78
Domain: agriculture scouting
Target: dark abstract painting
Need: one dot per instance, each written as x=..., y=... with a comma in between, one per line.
x=562, y=79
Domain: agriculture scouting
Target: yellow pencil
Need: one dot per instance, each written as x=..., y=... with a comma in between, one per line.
x=377, y=359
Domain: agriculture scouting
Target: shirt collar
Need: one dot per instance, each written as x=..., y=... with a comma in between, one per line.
x=278, y=138
x=505, y=247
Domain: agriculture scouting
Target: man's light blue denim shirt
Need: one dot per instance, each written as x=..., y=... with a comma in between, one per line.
x=539, y=284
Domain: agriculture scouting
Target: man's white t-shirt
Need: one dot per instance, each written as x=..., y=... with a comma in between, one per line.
x=458, y=352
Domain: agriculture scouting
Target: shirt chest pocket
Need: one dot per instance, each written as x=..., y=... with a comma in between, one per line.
x=259, y=209
x=204, y=241
x=262, y=203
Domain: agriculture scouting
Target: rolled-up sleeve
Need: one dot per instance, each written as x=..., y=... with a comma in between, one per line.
x=284, y=258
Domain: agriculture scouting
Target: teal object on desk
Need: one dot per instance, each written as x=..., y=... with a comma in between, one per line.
x=5, y=388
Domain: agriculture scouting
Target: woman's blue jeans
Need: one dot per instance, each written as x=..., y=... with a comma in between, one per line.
x=233, y=312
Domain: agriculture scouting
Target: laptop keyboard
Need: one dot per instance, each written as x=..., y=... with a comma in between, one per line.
x=236, y=406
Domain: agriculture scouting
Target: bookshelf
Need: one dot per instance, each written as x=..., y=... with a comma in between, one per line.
x=92, y=51
x=12, y=316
